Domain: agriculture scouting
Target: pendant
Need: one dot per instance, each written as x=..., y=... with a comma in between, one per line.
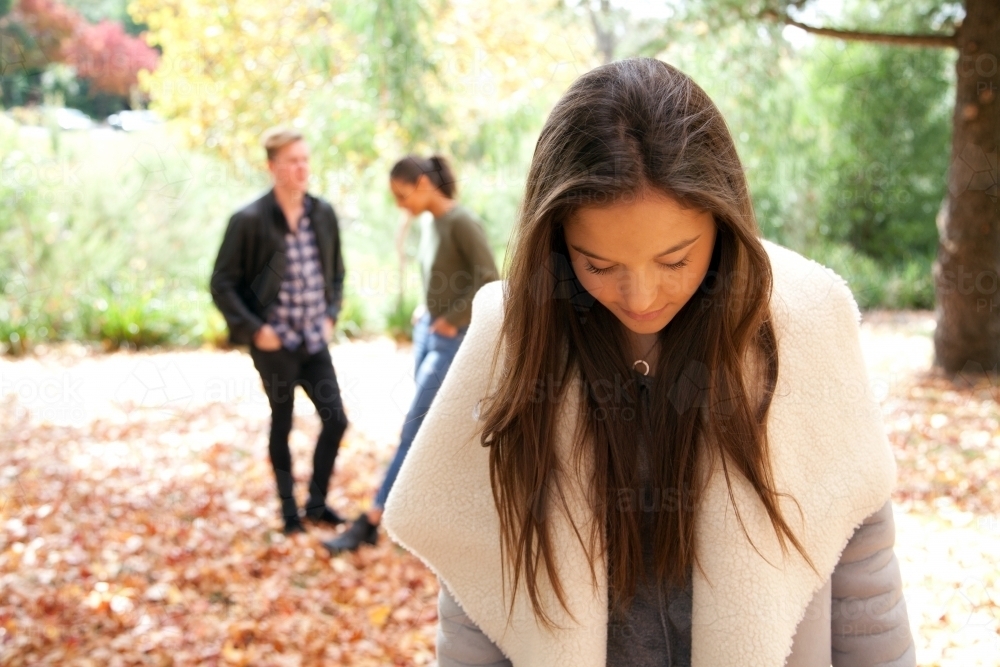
x=640, y=361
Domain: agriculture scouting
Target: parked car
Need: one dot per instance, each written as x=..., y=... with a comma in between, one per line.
x=72, y=119
x=130, y=121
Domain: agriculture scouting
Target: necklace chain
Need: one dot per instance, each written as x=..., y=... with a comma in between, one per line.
x=643, y=361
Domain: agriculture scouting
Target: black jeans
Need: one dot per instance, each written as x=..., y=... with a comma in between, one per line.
x=280, y=371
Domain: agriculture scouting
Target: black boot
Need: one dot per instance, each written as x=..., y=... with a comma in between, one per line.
x=293, y=525
x=290, y=513
x=361, y=531
x=289, y=508
x=323, y=514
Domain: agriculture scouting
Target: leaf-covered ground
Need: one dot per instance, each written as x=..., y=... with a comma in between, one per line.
x=138, y=519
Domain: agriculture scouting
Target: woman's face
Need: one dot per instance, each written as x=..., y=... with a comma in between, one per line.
x=411, y=197
x=642, y=260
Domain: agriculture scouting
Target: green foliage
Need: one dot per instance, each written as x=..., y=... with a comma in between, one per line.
x=845, y=144
x=352, y=320
x=923, y=16
x=399, y=59
x=129, y=313
x=888, y=151
x=398, y=319
x=101, y=10
x=757, y=82
x=117, y=250
x=19, y=329
x=874, y=285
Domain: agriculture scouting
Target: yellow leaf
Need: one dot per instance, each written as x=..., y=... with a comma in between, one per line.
x=378, y=615
x=233, y=655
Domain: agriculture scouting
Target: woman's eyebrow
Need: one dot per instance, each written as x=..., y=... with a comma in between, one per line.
x=673, y=248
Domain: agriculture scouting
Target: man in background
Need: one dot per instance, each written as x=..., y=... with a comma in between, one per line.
x=278, y=281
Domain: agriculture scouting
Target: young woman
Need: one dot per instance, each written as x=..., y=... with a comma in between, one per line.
x=455, y=261
x=657, y=445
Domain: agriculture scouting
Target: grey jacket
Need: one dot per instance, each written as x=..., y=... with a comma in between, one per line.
x=858, y=619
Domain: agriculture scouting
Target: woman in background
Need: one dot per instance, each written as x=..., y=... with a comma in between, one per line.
x=455, y=261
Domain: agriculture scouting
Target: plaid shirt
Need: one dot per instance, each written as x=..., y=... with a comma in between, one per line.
x=301, y=307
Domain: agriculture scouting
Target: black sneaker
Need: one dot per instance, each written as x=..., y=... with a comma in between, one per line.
x=324, y=515
x=293, y=525
x=362, y=531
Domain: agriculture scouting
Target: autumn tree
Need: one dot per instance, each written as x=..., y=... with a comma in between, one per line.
x=230, y=70
x=35, y=34
x=109, y=58
x=41, y=31
x=364, y=79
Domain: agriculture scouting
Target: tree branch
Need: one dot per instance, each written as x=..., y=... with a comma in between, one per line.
x=937, y=41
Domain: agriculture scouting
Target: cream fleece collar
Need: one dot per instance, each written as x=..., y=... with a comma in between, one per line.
x=829, y=452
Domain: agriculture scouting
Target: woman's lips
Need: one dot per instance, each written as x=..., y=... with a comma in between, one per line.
x=644, y=317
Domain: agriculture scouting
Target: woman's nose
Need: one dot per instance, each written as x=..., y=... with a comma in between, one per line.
x=638, y=291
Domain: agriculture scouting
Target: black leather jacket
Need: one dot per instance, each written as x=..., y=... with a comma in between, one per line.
x=251, y=264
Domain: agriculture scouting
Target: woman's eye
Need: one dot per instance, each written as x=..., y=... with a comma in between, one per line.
x=593, y=269
x=674, y=267
x=671, y=267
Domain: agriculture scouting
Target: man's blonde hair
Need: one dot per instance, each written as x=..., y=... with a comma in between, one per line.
x=277, y=138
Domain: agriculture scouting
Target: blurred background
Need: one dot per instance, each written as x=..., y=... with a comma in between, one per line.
x=130, y=131
x=137, y=520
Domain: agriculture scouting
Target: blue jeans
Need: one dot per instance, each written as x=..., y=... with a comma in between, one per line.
x=433, y=354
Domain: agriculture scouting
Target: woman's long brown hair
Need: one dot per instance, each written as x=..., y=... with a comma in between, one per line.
x=624, y=129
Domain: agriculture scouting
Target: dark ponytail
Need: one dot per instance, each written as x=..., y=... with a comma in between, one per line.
x=436, y=167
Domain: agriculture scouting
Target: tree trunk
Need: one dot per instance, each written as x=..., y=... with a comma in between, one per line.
x=604, y=30
x=967, y=338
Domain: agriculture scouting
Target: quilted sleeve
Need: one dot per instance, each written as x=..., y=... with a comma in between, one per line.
x=460, y=642
x=870, y=627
